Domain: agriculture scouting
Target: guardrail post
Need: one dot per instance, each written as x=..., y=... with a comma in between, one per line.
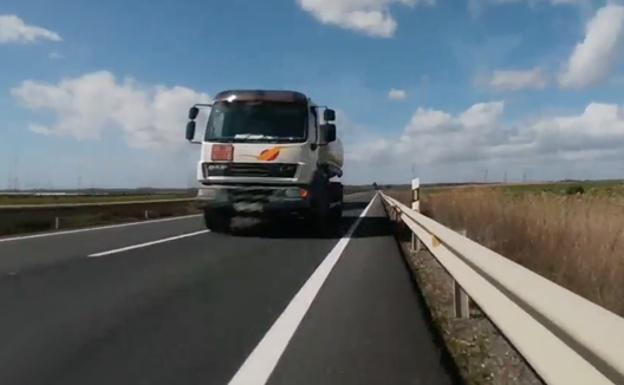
x=461, y=301
x=416, y=245
x=57, y=223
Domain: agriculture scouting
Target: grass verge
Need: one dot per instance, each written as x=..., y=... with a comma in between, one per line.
x=62, y=199
x=32, y=220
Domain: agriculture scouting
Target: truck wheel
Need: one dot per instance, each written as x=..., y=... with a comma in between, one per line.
x=335, y=213
x=336, y=193
x=319, y=217
x=217, y=222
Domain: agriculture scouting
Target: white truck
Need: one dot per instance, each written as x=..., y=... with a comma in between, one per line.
x=266, y=154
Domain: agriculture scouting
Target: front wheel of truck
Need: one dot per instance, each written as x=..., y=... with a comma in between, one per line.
x=335, y=213
x=336, y=193
x=319, y=215
x=217, y=222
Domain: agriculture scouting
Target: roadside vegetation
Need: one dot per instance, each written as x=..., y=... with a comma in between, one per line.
x=571, y=233
x=19, y=220
x=62, y=199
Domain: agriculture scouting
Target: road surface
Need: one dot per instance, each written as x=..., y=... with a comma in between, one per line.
x=167, y=302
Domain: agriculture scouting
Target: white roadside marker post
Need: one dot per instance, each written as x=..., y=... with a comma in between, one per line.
x=415, y=206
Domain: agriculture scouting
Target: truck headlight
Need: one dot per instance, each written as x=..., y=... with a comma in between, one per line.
x=207, y=193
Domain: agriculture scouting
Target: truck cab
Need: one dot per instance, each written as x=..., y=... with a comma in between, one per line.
x=268, y=154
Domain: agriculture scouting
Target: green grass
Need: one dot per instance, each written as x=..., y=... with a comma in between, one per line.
x=45, y=200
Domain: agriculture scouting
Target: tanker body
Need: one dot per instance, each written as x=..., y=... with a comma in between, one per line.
x=266, y=154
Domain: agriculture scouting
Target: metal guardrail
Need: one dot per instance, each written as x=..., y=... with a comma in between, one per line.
x=567, y=339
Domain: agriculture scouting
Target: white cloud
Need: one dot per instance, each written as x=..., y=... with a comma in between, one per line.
x=86, y=106
x=438, y=140
x=397, y=94
x=429, y=120
x=599, y=127
x=514, y=80
x=370, y=17
x=594, y=57
x=14, y=30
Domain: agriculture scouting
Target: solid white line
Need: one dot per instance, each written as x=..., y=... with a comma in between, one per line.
x=121, y=249
x=260, y=363
x=19, y=238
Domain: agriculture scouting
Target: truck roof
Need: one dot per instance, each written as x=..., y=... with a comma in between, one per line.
x=264, y=95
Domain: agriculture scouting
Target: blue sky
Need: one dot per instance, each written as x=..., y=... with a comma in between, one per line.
x=96, y=92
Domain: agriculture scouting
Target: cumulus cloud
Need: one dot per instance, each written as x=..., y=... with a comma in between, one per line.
x=370, y=17
x=397, y=94
x=514, y=80
x=15, y=30
x=594, y=57
x=480, y=134
x=86, y=106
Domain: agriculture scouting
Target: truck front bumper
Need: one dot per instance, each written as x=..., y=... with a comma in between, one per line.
x=254, y=200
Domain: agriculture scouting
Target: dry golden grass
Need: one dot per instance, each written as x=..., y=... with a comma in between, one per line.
x=576, y=241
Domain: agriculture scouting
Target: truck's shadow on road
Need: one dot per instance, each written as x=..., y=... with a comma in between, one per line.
x=348, y=206
x=293, y=229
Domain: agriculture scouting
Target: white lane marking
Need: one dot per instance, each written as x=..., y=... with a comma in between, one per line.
x=121, y=249
x=96, y=228
x=260, y=363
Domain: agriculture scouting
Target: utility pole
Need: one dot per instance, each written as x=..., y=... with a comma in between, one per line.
x=9, y=177
x=16, y=176
x=12, y=177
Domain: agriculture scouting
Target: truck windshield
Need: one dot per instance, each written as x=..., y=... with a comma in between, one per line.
x=257, y=121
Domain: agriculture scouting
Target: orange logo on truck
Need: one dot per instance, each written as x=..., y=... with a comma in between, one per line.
x=269, y=154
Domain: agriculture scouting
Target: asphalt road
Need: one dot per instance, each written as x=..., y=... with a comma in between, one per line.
x=167, y=302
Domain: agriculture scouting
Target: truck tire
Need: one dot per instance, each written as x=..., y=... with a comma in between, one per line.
x=335, y=213
x=320, y=214
x=335, y=189
x=217, y=222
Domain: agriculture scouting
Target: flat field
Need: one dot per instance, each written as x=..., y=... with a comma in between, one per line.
x=63, y=199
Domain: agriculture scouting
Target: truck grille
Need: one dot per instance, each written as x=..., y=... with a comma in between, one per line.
x=275, y=170
x=259, y=195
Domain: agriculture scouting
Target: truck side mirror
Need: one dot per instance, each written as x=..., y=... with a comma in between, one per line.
x=190, y=130
x=329, y=115
x=329, y=132
x=193, y=112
